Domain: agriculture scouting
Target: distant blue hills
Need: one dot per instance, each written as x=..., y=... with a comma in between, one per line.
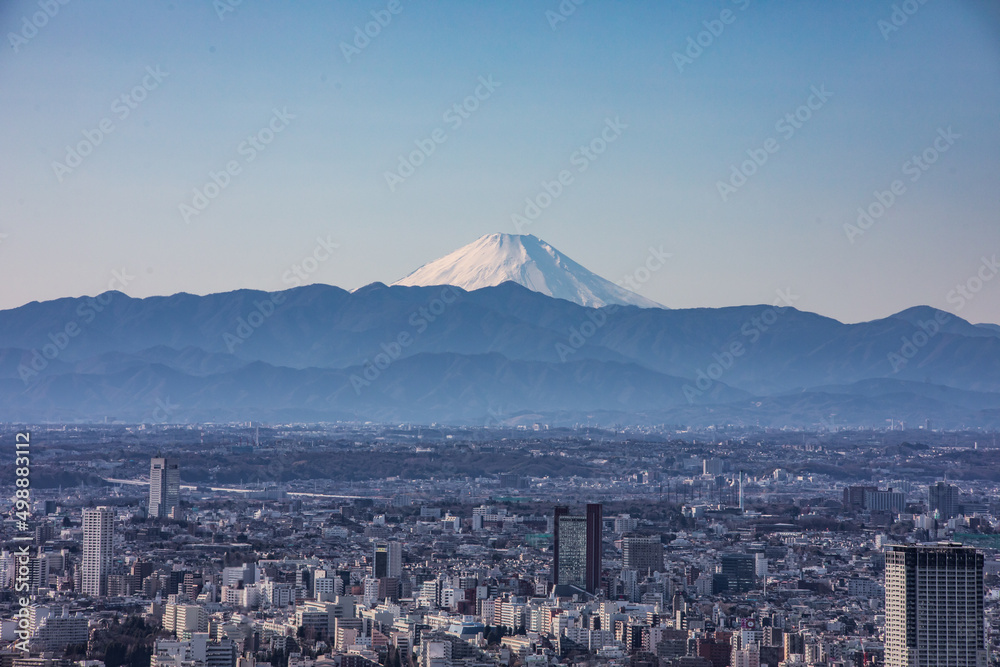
x=501, y=354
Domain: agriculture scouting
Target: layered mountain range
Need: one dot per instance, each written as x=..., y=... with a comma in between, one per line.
x=494, y=355
x=506, y=331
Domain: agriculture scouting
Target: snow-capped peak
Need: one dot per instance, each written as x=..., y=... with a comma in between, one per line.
x=528, y=261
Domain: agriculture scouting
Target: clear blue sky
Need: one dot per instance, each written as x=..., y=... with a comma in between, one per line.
x=656, y=184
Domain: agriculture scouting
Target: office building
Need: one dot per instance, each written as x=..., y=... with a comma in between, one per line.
x=164, y=488
x=934, y=606
x=387, y=561
x=643, y=554
x=577, y=549
x=98, y=531
x=942, y=500
x=571, y=565
x=739, y=570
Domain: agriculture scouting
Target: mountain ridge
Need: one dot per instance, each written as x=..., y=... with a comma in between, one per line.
x=504, y=346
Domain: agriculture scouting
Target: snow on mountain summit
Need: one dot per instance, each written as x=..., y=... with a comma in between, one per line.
x=528, y=261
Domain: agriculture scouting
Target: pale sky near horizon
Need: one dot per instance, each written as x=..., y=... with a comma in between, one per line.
x=198, y=82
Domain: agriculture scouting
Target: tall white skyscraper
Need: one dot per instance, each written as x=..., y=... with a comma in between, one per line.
x=164, y=488
x=934, y=606
x=98, y=533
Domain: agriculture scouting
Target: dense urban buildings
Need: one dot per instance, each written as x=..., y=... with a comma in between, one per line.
x=322, y=546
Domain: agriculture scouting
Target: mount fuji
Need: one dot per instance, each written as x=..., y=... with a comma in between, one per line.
x=528, y=261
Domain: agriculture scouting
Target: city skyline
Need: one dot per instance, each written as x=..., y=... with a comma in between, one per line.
x=512, y=334
x=742, y=138
x=363, y=566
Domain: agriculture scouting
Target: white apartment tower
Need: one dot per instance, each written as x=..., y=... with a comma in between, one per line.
x=164, y=488
x=98, y=533
x=934, y=606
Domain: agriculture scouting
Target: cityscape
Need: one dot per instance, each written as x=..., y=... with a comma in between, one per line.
x=525, y=333
x=231, y=546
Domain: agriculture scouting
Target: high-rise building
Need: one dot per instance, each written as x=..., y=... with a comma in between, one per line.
x=595, y=545
x=934, y=606
x=643, y=554
x=577, y=550
x=164, y=488
x=571, y=564
x=740, y=571
x=557, y=512
x=387, y=561
x=942, y=498
x=98, y=531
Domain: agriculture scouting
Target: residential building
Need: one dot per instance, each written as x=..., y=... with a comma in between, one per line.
x=934, y=606
x=98, y=532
